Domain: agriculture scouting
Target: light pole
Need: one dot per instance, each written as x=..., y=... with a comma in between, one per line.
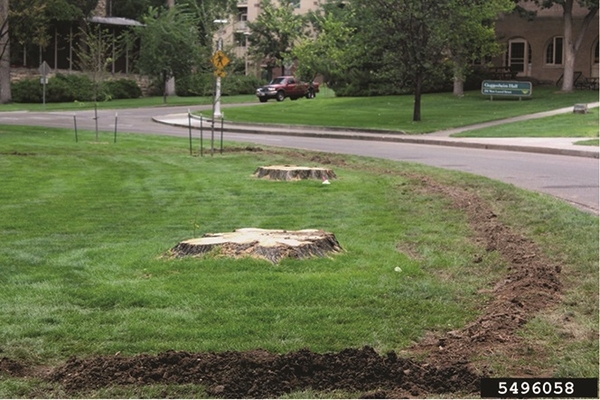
x=217, y=103
x=246, y=34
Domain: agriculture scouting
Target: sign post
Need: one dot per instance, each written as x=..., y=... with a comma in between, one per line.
x=506, y=88
x=43, y=70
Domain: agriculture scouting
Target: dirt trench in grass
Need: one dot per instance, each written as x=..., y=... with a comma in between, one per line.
x=443, y=364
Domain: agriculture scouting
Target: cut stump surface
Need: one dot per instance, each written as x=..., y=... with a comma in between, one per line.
x=294, y=172
x=269, y=244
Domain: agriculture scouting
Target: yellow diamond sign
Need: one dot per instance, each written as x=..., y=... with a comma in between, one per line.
x=220, y=59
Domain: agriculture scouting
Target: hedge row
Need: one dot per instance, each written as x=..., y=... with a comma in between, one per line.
x=204, y=85
x=68, y=88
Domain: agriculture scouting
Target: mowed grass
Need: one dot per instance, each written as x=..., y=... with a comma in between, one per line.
x=151, y=101
x=439, y=110
x=85, y=228
x=563, y=125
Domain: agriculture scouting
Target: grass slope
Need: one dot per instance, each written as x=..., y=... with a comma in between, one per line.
x=84, y=227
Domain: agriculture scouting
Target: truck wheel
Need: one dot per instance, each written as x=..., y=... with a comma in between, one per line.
x=280, y=96
x=310, y=94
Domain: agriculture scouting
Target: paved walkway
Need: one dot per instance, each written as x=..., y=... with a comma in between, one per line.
x=561, y=146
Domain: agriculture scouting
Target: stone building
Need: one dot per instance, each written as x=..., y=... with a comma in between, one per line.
x=534, y=48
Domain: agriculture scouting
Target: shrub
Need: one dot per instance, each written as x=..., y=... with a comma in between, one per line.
x=68, y=88
x=240, y=84
x=122, y=89
x=203, y=84
x=27, y=91
x=200, y=84
x=76, y=87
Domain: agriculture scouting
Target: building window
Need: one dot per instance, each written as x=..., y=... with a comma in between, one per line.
x=554, y=51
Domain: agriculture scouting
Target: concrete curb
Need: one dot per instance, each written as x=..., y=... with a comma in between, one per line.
x=180, y=120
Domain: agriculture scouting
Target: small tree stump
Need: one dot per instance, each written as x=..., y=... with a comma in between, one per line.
x=272, y=245
x=294, y=172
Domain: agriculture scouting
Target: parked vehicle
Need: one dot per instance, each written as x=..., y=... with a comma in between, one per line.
x=287, y=86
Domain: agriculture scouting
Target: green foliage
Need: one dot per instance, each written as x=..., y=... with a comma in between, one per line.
x=199, y=84
x=471, y=34
x=122, y=89
x=275, y=32
x=203, y=84
x=74, y=87
x=169, y=43
x=31, y=20
x=63, y=88
x=324, y=54
x=134, y=9
x=27, y=91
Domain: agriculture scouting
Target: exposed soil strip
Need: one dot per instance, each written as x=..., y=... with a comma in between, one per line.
x=532, y=284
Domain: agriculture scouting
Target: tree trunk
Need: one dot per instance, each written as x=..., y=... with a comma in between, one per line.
x=292, y=173
x=165, y=87
x=417, y=105
x=170, y=85
x=569, y=50
x=459, y=79
x=270, y=244
x=5, y=92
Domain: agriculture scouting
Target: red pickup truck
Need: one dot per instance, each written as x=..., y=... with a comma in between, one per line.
x=287, y=86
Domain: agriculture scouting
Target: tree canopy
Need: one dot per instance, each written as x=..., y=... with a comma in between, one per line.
x=170, y=46
x=275, y=32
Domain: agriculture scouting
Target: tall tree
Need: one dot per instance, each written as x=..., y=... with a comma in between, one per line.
x=5, y=92
x=274, y=33
x=471, y=34
x=170, y=45
x=571, y=40
x=415, y=36
x=325, y=51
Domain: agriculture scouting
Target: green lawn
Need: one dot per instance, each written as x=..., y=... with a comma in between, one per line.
x=128, y=103
x=439, y=110
x=84, y=228
x=565, y=125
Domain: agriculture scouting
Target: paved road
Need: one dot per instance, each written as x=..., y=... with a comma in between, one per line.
x=571, y=178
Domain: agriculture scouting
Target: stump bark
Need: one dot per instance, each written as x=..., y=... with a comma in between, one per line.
x=294, y=172
x=271, y=245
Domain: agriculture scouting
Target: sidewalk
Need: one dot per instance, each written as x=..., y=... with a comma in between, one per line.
x=559, y=146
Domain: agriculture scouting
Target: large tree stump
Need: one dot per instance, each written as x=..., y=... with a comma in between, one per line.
x=272, y=245
x=294, y=172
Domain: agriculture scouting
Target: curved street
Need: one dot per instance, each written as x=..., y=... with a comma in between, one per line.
x=539, y=165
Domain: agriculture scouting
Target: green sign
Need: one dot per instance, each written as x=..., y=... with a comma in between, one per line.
x=506, y=88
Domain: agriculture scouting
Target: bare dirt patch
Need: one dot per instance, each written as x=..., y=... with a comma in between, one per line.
x=260, y=374
x=449, y=364
x=532, y=284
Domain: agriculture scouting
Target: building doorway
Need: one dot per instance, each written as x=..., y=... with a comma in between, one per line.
x=519, y=57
